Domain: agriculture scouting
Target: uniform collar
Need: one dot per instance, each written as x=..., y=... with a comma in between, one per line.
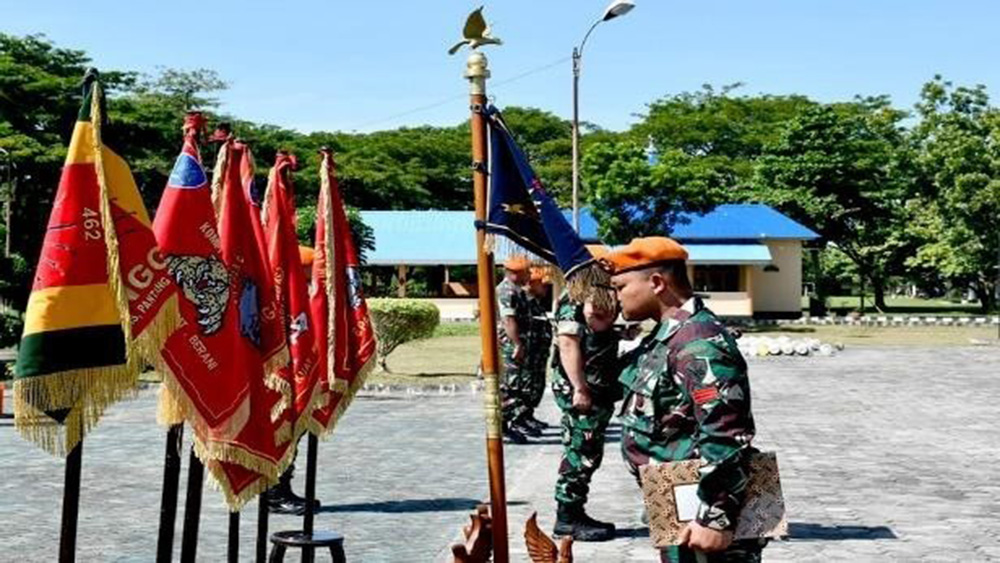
x=667, y=328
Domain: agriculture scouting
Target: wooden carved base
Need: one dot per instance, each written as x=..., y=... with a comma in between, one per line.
x=541, y=548
x=478, y=546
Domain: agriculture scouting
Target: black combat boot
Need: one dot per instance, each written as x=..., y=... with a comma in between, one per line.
x=522, y=426
x=281, y=499
x=513, y=435
x=573, y=521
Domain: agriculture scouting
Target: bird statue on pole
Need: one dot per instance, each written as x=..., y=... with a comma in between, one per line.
x=476, y=33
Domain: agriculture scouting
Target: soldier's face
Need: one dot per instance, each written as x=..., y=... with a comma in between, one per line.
x=599, y=320
x=637, y=295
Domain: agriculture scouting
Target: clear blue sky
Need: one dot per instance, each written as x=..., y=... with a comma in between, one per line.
x=360, y=64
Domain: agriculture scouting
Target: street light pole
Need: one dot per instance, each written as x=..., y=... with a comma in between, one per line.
x=8, y=201
x=615, y=9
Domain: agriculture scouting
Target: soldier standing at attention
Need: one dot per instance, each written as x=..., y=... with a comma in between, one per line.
x=687, y=395
x=512, y=331
x=539, y=345
x=585, y=386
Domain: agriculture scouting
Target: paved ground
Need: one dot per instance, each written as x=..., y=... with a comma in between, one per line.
x=886, y=455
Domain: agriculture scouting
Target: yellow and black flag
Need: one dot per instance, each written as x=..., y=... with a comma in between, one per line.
x=101, y=305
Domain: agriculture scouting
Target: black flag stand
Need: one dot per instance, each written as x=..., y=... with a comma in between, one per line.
x=168, y=503
x=192, y=509
x=71, y=505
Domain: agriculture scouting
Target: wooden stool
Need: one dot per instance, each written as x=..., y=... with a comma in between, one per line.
x=298, y=539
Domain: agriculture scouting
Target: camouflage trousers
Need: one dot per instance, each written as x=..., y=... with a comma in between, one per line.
x=515, y=385
x=538, y=360
x=743, y=551
x=583, y=450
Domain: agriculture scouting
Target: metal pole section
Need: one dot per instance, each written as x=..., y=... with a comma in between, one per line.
x=308, y=553
x=192, y=509
x=576, y=139
x=233, y=551
x=168, y=502
x=262, y=522
x=71, y=505
x=477, y=73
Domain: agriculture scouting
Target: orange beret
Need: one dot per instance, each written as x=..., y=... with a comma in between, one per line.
x=306, y=255
x=598, y=251
x=517, y=263
x=643, y=253
x=539, y=274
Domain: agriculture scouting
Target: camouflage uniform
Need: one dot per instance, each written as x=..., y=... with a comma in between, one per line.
x=688, y=397
x=583, y=434
x=515, y=382
x=539, y=345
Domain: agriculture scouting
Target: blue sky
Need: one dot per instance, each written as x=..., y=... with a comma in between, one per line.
x=370, y=64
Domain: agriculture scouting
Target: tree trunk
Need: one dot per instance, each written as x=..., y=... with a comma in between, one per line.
x=984, y=291
x=878, y=287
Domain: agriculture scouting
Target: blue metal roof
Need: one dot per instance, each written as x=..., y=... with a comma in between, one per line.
x=446, y=237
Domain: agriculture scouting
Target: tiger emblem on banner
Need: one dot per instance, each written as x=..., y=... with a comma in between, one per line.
x=205, y=282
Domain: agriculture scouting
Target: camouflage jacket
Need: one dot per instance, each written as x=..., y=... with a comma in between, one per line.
x=512, y=301
x=688, y=397
x=601, y=365
x=539, y=328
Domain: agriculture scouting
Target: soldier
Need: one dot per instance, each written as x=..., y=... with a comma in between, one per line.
x=512, y=328
x=539, y=345
x=687, y=395
x=585, y=386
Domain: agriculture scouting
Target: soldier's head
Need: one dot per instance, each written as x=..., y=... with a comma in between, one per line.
x=650, y=277
x=536, y=282
x=516, y=269
x=599, y=318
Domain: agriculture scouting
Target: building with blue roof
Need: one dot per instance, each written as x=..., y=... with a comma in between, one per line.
x=746, y=259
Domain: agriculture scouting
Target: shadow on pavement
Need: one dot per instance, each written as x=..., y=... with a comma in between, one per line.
x=411, y=506
x=642, y=532
x=822, y=532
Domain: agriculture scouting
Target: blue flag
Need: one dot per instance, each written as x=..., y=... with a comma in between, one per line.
x=521, y=210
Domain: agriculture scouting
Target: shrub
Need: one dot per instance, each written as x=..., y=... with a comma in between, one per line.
x=398, y=321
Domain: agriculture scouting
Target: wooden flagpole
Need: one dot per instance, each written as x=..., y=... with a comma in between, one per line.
x=477, y=73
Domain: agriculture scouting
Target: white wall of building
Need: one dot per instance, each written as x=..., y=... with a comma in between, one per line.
x=781, y=291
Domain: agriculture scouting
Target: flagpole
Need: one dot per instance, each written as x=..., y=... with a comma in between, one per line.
x=168, y=502
x=308, y=553
x=477, y=73
x=262, y=525
x=71, y=505
x=192, y=509
x=233, y=551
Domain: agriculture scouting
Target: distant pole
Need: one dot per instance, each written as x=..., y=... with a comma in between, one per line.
x=576, y=137
x=477, y=73
x=71, y=505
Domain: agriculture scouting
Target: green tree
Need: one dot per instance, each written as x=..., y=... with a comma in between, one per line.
x=844, y=170
x=957, y=217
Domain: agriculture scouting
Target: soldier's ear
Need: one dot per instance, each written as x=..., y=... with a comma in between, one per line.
x=657, y=282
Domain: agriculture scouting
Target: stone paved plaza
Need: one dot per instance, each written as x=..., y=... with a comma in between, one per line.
x=886, y=455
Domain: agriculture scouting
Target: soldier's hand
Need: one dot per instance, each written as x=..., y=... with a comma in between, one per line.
x=704, y=539
x=518, y=355
x=582, y=402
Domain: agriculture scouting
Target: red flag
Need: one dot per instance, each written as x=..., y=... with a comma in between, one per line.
x=345, y=336
x=290, y=284
x=263, y=438
x=210, y=367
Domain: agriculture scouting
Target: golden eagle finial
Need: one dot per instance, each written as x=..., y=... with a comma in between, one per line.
x=476, y=33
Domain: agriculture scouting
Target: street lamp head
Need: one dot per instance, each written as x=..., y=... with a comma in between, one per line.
x=618, y=8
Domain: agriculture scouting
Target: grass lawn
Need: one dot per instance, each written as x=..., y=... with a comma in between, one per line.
x=919, y=336
x=900, y=306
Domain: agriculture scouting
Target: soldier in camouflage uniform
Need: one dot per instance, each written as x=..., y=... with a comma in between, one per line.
x=687, y=395
x=512, y=331
x=539, y=343
x=585, y=385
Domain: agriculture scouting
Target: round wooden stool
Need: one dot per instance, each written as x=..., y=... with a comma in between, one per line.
x=297, y=539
